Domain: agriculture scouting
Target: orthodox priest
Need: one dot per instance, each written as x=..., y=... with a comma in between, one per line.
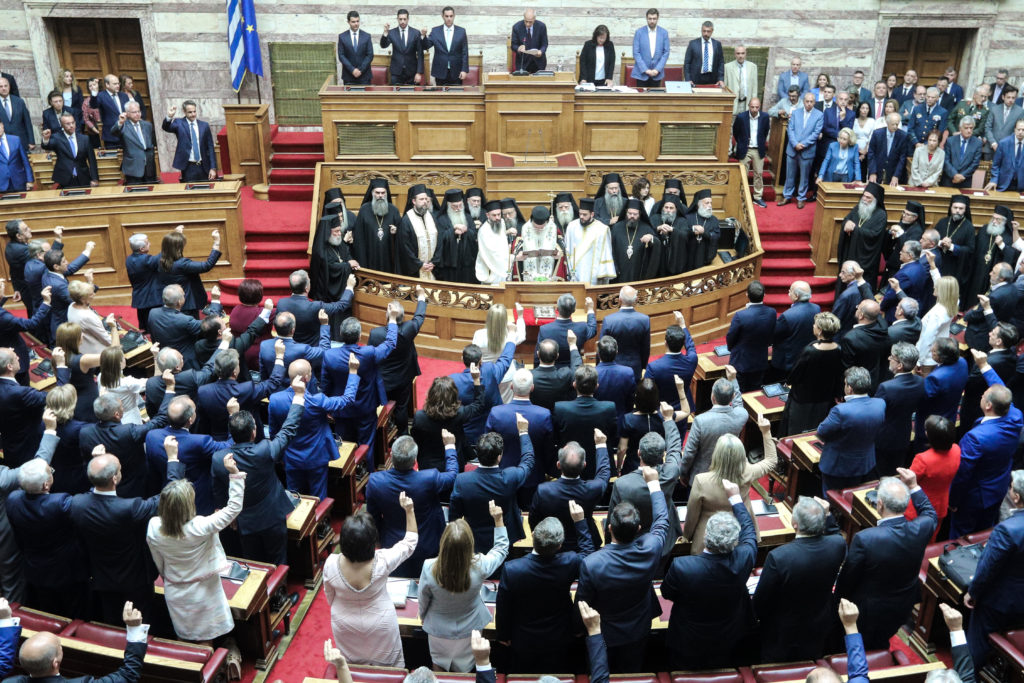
x=538, y=250
x=417, y=237
x=456, y=239
x=564, y=210
x=330, y=262
x=863, y=233
x=636, y=249
x=475, y=200
x=493, y=254
x=992, y=245
x=703, y=247
x=609, y=200
x=910, y=227
x=673, y=187
x=956, y=238
x=334, y=201
x=673, y=230
x=512, y=217
x=588, y=248
x=375, y=228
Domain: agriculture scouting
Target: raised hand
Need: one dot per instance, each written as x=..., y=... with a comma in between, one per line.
x=279, y=349
x=229, y=463
x=650, y=474
x=667, y=412
x=47, y=293
x=570, y=337
x=952, y=616
x=496, y=512
x=907, y=476
x=447, y=438
x=353, y=363
x=575, y=511
x=731, y=489
x=522, y=424
x=49, y=420
x=599, y=438
x=168, y=377
x=233, y=406
x=351, y=282
x=730, y=372
x=299, y=385
x=215, y=292
x=171, y=111
x=591, y=618
x=131, y=616
x=332, y=655
x=474, y=372
x=322, y=317
x=225, y=335
x=763, y=424
x=405, y=501
x=268, y=304
x=171, y=448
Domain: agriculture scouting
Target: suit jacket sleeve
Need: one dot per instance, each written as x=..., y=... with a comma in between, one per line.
x=639, y=57
x=342, y=57
x=857, y=659
x=720, y=57
x=598, y=654
x=291, y=424
x=672, y=468
x=963, y=664
x=465, y=52
x=367, y=55
x=485, y=676
x=8, y=647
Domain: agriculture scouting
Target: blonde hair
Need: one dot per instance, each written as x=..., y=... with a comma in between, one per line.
x=176, y=508
x=61, y=400
x=828, y=324
x=58, y=84
x=729, y=460
x=111, y=373
x=947, y=294
x=850, y=135
x=69, y=336
x=497, y=327
x=79, y=291
x=454, y=557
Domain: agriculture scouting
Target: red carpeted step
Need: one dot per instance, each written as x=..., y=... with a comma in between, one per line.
x=784, y=248
x=298, y=142
x=286, y=160
x=797, y=268
x=290, y=193
x=789, y=229
x=292, y=176
x=276, y=265
x=275, y=247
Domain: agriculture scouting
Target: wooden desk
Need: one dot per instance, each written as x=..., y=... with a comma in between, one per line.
x=804, y=455
x=758, y=404
x=304, y=544
x=109, y=216
x=529, y=114
x=343, y=485
x=937, y=588
x=864, y=513
x=709, y=368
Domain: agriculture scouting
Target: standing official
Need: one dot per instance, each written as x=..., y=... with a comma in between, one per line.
x=355, y=52
x=139, y=141
x=15, y=169
x=650, y=52
x=750, y=128
x=406, y=45
x=704, y=64
x=14, y=115
x=741, y=78
x=530, y=43
x=111, y=103
x=194, y=155
x=803, y=130
x=451, y=56
x=75, y=165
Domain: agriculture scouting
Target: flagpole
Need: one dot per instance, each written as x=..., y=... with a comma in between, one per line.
x=259, y=96
x=238, y=93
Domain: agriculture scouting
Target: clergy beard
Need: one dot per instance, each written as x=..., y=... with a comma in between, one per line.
x=704, y=213
x=614, y=203
x=335, y=241
x=585, y=223
x=495, y=225
x=511, y=223
x=420, y=211
x=668, y=218
x=564, y=217
x=474, y=211
x=380, y=207
x=864, y=210
x=993, y=230
x=456, y=217
x=956, y=218
x=630, y=225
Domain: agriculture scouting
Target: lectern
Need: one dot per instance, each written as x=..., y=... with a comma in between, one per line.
x=534, y=178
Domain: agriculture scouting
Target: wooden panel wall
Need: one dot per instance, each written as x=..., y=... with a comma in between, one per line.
x=248, y=128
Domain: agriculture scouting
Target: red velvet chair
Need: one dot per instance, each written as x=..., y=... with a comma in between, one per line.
x=370, y=674
x=379, y=75
x=1008, y=655
x=842, y=502
x=877, y=660
x=714, y=676
x=793, y=671
x=34, y=620
x=531, y=678
x=473, y=76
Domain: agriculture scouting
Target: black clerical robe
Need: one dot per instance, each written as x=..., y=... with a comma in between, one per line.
x=864, y=244
x=702, y=249
x=407, y=258
x=986, y=254
x=455, y=256
x=675, y=245
x=957, y=262
x=892, y=246
x=372, y=243
x=642, y=262
x=328, y=266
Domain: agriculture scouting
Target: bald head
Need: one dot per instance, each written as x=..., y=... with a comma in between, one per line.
x=627, y=296
x=823, y=675
x=529, y=15
x=40, y=655
x=104, y=472
x=181, y=413
x=868, y=311
x=300, y=368
x=800, y=291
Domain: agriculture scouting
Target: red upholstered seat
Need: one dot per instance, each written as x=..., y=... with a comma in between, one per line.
x=473, y=76
x=630, y=678
x=793, y=671
x=100, y=634
x=673, y=73
x=716, y=676
x=930, y=551
x=177, y=650
x=277, y=578
x=34, y=620
x=978, y=536
x=449, y=677
x=528, y=678
x=379, y=75
x=371, y=674
x=877, y=659
x=1009, y=647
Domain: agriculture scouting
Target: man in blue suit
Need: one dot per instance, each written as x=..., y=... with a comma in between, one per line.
x=529, y=43
x=650, y=52
x=680, y=360
x=425, y=487
x=194, y=155
x=803, y=130
x=632, y=331
x=263, y=521
x=213, y=398
x=848, y=434
x=996, y=593
x=794, y=329
x=111, y=102
x=450, y=64
x=11, y=327
x=15, y=169
x=406, y=45
x=577, y=420
x=171, y=328
x=475, y=488
x=615, y=382
x=924, y=118
x=902, y=395
x=910, y=280
x=355, y=52
x=491, y=375
x=750, y=131
x=701, y=634
x=552, y=498
x=749, y=336
x=986, y=457
x=75, y=163
x=704, y=63
x=284, y=325
x=141, y=267
x=963, y=154
x=534, y=608
x=15, y=117
x=888, y=151
x=503, y=420
x=562, y=323
x=308, y=454
x=21, y=420
x=307, y=322
x=1008, y=162
x=55, y=277
x=790, y=78
x=359, y=423
x=616, y=580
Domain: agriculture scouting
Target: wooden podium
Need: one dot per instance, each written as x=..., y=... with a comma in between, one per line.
x=535, y=178
x=527, y=114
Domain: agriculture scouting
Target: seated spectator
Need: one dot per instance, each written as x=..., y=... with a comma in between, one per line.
x=811, y=393
x=95, y=335
x=125, y=388
x=726, y=416
x=849, y=433
x=936, y=467
x=443, y=411
x=363, y=619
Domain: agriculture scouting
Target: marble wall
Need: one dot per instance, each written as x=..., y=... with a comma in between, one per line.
x=187, y=55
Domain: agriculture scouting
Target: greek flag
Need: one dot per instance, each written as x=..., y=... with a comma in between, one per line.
x=243, y=41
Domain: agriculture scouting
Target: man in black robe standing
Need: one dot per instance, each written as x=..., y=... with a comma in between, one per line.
x=993, y=244
x=674, y=232
x=863, y=233
x=376, y=227
x=609, y=200
x=512, y=217
x=673, y=188
x=956, y=238
x=418, y=252
x=703, y=247
x=475, y=200
x=636, y=248
x=456, y=240
x=564, y=211
x=911, y=227
x=330, y=264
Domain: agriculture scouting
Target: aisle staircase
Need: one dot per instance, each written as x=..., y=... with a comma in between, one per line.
x=293, y=160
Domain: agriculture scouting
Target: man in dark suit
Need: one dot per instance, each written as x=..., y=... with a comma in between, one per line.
x=450, y=64
x=172, y=329
x=726, y=416
x=615, y=382
x=888, y=151
x=793, y=600
x=562, y=323
x=194, y=154
x=905, y=91
x=406, y=45
x=111, y=103
x=1008, y=162
x=552, y=498
x=503, y=420
x=910, y=280
x=284, y=326
x=794, y=329
x=213, y=398
x=21, y=419
x=305, y=310
x=11, y=327
x=701, y=632
x=552, y=384
x=75, y=165
x=425, y=487
x=750, y=131
x=963, y=154
x=403, y=365
x=141, y=267
x=1002, y=358
x=749, y=336
x=51, y=115
x=632, y=331
x=186, y=381
x=359, y=419
x=355, y=52
x=577, y=420
x=999, y=306
x=475, y=488
x=865, y=344
x=617, y=578
x=113, y=531
x=533, y=608
x=15, y=117
x=138, y=140
x=704, y=63
x=529, y=43
x=15, y=169
x=995, y=593
x=55, y=277
x=848, y=432
x=902, y=395
x=40, y=656
x=491, y=375
x=12, y=82
x=907, y=325
x=848, y=297
x=16, y=253
x=882, y=564
x=680, y=360
x=263, y=521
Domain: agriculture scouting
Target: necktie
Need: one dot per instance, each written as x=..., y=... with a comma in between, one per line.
x=3, y=147
x=355, y=39
x=403, y=38
x=195, y=141
x=74, y=154
x=7, y=107
x=448, y=37
x=529, y=32
x=1016, y=158
x=963, y=148
x=138, y=132
x=743, y=84
x=878, y=109
x=888, y=144
x=117, y=101
x=704, y=65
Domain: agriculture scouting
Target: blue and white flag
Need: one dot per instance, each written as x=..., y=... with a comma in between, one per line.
x=243, y=41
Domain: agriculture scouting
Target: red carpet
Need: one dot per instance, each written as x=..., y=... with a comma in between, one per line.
x=785, y=236
x=293, y=161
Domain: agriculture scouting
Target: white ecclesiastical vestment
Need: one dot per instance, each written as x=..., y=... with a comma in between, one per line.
x=426, y=240
x=539, y=268
x=588, y=252
x=492, y=255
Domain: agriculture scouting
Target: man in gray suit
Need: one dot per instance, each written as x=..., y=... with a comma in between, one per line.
x=1001, y=118
x=726, y=416
x=664, y=455
x=139, y=143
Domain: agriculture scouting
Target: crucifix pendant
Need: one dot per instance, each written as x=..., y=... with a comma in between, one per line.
x=629, y=251
x=988, y=257
x=380, y=233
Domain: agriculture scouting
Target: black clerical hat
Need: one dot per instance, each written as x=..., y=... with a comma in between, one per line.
x=493, y=205
x=960, y=199
x=1004, y=211
x=918, y=209
x=878, y=192
x=540, y=215
x=587, y=203
x=374, y=184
